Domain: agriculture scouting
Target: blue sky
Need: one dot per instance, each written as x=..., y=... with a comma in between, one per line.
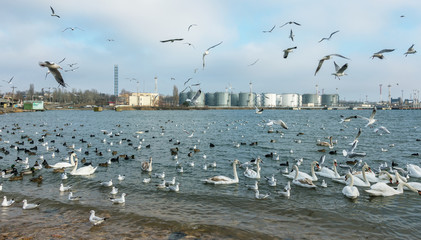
x=29, y=35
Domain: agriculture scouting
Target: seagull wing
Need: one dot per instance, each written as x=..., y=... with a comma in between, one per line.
x=214, y=46
x=286, y=53
x=373, y=113
x=57, y=76
x=196, y=96
x=338, y=55
x=296, y=23
x=333, y=33
x=10, y=81
x=385, y=50
x=62, y=60
x=343, y=68
x=336, y=66
x=319, y=66
x=52, y=10
x=358, y=134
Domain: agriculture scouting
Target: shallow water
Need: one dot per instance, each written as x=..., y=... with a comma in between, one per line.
x=201, y=210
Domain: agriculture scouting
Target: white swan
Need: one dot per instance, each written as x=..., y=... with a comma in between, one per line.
x=147, y=166
x=415, y=185
x=383, y=190
x=414, y=170
x=250, y=173
x=326, y=172
x=303, y=182
x=223, y=179
x=301, y=175
x=350, y=191
x=370, y=175
x=357, y=181
x=87, y=170
x=65, y=164
x=255, y=186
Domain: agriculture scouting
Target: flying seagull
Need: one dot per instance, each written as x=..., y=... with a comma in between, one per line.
x=328, y=38
x=291, y=35
x=290, y=23
x=288, y=50
x=10, y=81
x=71, y=70
x=379, y=54
x=207, y=52
x=172, y=40
x=253, y=62
x=191, y=25
x=187, y=81
x=73, y=28
x=270, y=29
x=190, y=44
x=53, y=69
x=53, y=14
x=327, y=57
x=371, y=119
x=411, y=50
x=196, y=96
x=340, y=71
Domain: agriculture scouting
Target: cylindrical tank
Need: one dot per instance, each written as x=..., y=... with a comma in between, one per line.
x=190, y=94
x=310, y=100
x=234, y=99
x=290, y=100
x=269, y=100
x=246, y=99
x=200, y=101
x=258, y=100
x=278, y=100
x=182, y=98
x=210, y=99
x=221, y=99
x=329, y=100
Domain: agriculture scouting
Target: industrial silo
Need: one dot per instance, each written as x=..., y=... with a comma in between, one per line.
x=329, y=100
x=258, y=100
x=210, y=99
x=269, y=100
x=246, y=99
x=200, y=101
x=290, y=100
x=278, y=100
x=221, y=99
x=182, y=98
x=234, y=99
x=310, y=100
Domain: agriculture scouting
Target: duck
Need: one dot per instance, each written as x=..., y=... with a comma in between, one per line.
x=65, y=164
x=120, y=200
x=328, y=173
x=313, y=176
x=37, y=179
x=250, y=173
x=350, y=191
x=147, y=166
x=95, y=220
x=27, y=206
x=223, y=179
x=7, y=203
x=16, y=177
x=302, y=182
x=84, y=171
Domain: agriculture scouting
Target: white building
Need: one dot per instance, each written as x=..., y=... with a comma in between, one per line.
x=144, y=99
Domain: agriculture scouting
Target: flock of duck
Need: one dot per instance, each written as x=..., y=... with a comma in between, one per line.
x=381, y=181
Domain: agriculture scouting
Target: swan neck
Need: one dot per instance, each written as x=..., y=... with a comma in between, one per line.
x=75, y=167
x=296, y=172
x=364, y=177
x=234, y=166
x=352, y=180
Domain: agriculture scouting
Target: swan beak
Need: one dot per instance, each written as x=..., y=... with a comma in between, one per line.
x=419, y=192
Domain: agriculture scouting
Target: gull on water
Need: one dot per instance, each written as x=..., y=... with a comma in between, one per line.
x=27, y=206
x=73, y=198
x=95, y=220
x=120, y=200
x=107, y=183
x=114, y=191
x=258, y=195
x=63, y=188
x=121, y=177
x=7, y=203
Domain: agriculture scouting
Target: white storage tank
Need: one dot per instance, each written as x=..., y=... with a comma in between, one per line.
x=258, y=100
x=269, y=100
x=290, y=100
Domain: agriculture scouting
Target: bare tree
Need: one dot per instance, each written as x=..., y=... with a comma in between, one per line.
x=175, y=96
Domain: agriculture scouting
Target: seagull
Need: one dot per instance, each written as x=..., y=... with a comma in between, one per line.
x=371, y=119
x=10, y=81
x=347, y=119
x=291, y=35
x=340, y=71
x=27, y=206
x=121, y=177
x=172, y=40
x=269, y=30
x=119, y=200
x=207, y=52
x=73, y=28
x=107, y=184
x=411, y=50
x=114, y=191
x=328, y=38
x=96, y=220
x=196, y=96
x=277, y=122
x=190, y=44
x=187, y=81
x=288, y=50
x=53, y=69
x=53, y=13
x=73, y=198
x=327, y=57
x=191, y=25
x=290, y=23
x=174, y=188
x=260, y=196
x=7, y=203
x=63, y=188
x=253, y=63
x=380, y=55
x=71, y=70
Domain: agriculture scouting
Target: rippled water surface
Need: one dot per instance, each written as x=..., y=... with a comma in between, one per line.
x=198, y=209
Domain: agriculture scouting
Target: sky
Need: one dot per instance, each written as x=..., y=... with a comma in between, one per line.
x=29, y=34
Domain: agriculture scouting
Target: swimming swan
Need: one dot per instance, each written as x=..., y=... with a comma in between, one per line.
x=350, y=191
x=65, y=164
x=303, y=182
x=383, y=190
x=326, y=172
x=301, y=175
x=223, y=179
x=250, y=173
x=87, y=170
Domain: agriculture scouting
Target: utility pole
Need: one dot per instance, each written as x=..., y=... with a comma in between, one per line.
x=390, y=96
x=380, y=85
